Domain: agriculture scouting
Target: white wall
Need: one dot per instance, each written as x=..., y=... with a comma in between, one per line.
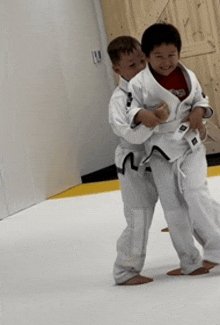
x=53, y=99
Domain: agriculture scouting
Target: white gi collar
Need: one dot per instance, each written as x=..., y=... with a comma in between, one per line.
x=123, y=84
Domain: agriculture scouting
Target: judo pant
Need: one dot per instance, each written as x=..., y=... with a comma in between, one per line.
x=139, y=196
x=188, y=207
x=204, y=211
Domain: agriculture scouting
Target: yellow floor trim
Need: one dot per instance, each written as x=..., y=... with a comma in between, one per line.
x=108, y=186
x=213, y=171
x=90, y=188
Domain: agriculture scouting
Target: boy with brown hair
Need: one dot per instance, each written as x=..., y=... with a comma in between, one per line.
x=139, y=194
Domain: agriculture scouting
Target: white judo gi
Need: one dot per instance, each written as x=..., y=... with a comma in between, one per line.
x=139, y=194
x=179, y=168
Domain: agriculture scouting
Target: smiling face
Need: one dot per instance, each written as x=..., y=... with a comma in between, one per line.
x=164, y=58
x=130, y=64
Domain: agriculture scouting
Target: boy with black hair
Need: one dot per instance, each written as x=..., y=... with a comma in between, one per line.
x=139, y=194
x=174, y=150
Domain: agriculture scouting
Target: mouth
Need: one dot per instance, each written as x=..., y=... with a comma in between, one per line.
x=165, y=68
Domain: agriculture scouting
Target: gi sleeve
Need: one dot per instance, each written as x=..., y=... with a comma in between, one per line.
x=120, y=123
x=134, y=102
x=201, y=100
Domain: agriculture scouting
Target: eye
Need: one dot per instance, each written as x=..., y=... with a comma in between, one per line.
x=132, y=65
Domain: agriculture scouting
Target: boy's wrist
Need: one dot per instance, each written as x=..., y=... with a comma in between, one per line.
x=139, y=116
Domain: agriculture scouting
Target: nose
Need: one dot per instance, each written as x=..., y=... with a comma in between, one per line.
x=166, y=61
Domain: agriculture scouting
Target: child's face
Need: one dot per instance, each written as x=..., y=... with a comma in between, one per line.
x=164, y=59
x=130, y=64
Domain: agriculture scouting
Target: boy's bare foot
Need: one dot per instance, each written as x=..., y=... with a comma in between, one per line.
x=165, y=229
x=137, y=279
x=209, y=265
x=199, y=271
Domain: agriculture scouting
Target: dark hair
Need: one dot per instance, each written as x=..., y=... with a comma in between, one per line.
x=121, y=45
x=160, y=33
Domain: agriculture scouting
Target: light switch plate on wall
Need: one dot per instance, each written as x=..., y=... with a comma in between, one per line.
x=97, y=56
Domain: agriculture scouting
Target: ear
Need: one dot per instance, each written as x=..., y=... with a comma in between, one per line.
x=116, y=69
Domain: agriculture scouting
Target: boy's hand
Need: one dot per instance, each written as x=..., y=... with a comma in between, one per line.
x=147, y=118
x=195, y=118
x=202, y=132
x=162, y=112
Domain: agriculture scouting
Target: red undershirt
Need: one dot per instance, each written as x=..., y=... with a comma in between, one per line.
x=175, y=83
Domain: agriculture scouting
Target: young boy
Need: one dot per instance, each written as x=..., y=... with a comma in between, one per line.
x=176, y=154
x=139, y=194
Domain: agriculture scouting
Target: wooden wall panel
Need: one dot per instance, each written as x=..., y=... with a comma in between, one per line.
x=198, y=22
x=130, y=17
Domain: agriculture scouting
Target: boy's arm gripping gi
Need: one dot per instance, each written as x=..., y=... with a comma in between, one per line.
x=119, y=120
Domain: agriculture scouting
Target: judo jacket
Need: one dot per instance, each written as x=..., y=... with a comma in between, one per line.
x=130, y=139
x=145, y=92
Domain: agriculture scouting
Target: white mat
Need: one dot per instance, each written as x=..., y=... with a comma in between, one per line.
x=56, y=269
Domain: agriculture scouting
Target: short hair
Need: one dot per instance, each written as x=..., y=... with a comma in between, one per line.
x=160, y=33
x=121, y=45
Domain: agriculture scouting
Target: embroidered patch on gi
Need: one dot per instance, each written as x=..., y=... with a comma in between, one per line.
x=194, y=141
x=183, y=128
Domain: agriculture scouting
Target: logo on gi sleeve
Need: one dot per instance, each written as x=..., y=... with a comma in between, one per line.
x=129, y=99
x=183, y=128
x=194, y=141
